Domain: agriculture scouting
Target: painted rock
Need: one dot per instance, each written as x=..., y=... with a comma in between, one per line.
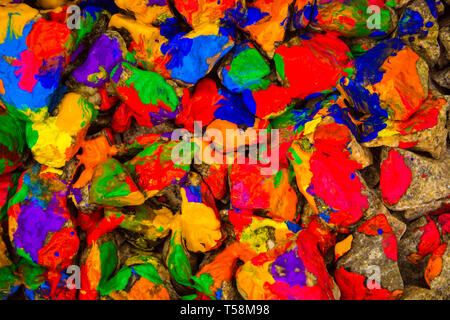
x=100, y=278
x=94, y=152
x=198, y=108
x=377, y=87
x=304, y=11
x=215, y=177
x=144, y=283
x=419, y=29
x=366, y=266
x=259, y=235
x=199, y=224
x=419, y=181
x=265, y=21
x=112, y=185
x=150, y=224
x=146, y=96
x=355, y=18
x=359, y=46
x=200, y=12
x=146, y=43
x=437, y=270
x=298, y=64
x=219, y=274
x=55, y=140
x=109, y=270
x=191, y=56
x=377, y=207
x=443, y=224
x=246, y=70
x=225, y=137
x=40, y=226
x=147, y=12
x=95, y=70
x=252, y=235
x=289, y=130
x=180, y=262
x=325, y=158
x=5, y=185
x=237, y=108
x=8, y=188
x=56, y=286
x=425, y=130
x=12, y=143
x=249, y=235
x=155, y=168
x=293, y=271
x=140, y=276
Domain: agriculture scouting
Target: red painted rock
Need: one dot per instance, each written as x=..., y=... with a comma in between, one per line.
x=409, y=181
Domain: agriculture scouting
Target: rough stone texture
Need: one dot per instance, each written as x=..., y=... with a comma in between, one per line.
x=425, y=43
x=366, y=43
x=442, y=77
x=371, y=175
x=376, y=207
x=429, y=183
x=418, y=293
x=367, y=251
